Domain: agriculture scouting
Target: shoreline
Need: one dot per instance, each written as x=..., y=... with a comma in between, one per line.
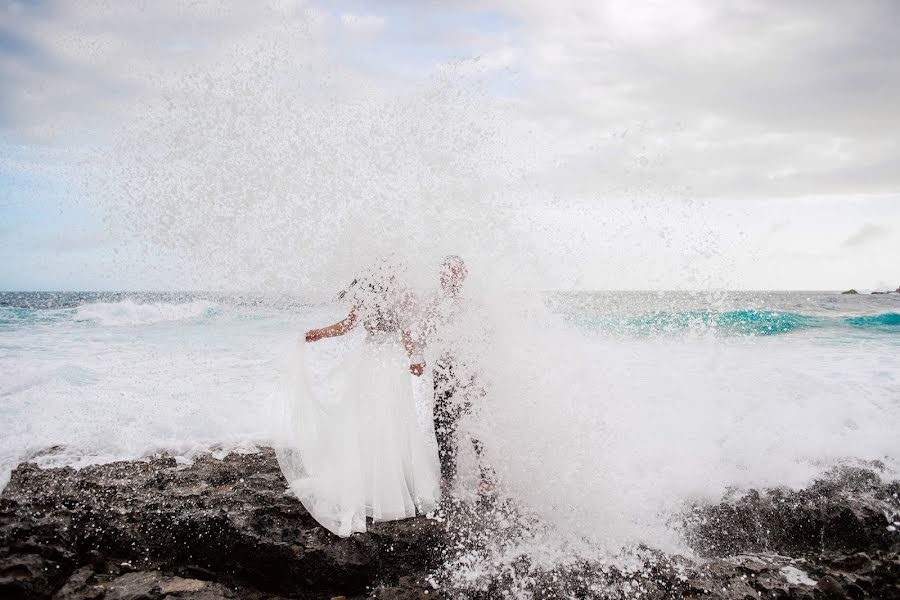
x=225, y=528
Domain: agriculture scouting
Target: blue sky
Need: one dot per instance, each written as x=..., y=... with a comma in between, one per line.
x=776, y=123
x=49, y=240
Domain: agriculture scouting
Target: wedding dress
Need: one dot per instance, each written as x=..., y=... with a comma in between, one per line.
x=362, y=443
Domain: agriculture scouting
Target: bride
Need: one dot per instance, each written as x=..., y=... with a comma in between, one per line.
x=360, y=444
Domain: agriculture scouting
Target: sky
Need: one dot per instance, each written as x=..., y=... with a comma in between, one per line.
x=638, y=145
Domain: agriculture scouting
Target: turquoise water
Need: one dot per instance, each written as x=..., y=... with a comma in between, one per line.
x=823, y=314
x=739, y=322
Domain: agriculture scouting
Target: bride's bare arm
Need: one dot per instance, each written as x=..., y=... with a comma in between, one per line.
x=339, y=328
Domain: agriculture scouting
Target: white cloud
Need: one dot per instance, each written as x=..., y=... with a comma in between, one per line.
x=802, y=94
x=363, y=25
x=493, y=60
x=755, y=99
x=866, y=234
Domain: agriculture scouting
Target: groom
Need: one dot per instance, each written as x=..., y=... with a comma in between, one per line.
x=453, y=389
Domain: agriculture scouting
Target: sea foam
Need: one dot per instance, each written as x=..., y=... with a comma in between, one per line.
x=129, y=312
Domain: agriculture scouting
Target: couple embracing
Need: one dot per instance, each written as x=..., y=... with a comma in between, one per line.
x=369, y=440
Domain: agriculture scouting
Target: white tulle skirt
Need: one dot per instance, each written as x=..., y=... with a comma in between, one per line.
x=362, y=443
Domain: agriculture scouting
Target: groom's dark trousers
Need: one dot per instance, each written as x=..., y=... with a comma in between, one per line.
x=450, y=404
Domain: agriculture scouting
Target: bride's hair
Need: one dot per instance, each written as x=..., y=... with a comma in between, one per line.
x=343, y=293
x=382, y=278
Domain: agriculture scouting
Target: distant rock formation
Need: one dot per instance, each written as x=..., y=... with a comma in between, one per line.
x=850, y=291
x=155, y=530
x=897, y=291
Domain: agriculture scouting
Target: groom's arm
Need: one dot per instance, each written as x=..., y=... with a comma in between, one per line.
x=414, y=352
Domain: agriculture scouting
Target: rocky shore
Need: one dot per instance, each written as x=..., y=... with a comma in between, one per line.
x=853, y=291
x=226, y=529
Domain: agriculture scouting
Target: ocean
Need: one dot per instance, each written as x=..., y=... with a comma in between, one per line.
x=674, y=396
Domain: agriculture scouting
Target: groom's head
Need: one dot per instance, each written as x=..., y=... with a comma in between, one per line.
x=453, y=274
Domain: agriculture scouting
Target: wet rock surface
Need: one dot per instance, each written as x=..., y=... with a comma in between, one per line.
x=226, y=529
x=838, y=538
x=85, y=534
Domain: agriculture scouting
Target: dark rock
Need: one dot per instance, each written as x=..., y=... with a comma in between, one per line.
x=409, y=588
x=831, y=589
x=845, y=512
x=220, y=529
x=228, y=521
x=850, y=291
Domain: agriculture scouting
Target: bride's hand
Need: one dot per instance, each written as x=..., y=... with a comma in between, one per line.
x=417, y=369
x=313, y=335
